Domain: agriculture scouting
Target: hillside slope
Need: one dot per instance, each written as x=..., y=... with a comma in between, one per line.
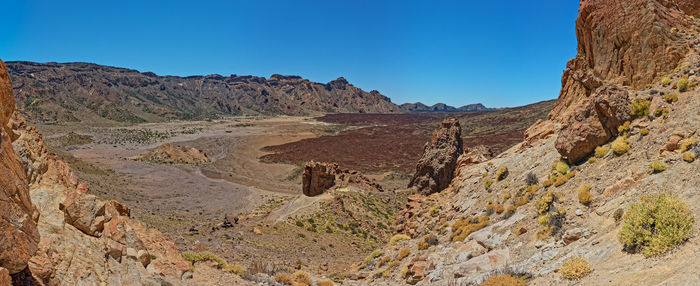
x=626, y=132
x=71, y=92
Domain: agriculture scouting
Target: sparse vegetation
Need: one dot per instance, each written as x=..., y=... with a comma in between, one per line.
x=620, y=146
x=656, y=224
x=640, y=107
x=601, y=151
x=284, y=278
x=549, y=217
x=324, y=282
x=584, y=194
x=465, y=226
x=531, y=179
x=502, y=173
x=671, y=97
x=497, y=208
x=422, y=245
x=504, y=280
x=397, y=238
x=666, y=81
x=682, y=85
x=657, y=167
x=194, y=257
x=574, y=268
x=688, y=143
x=688, y=156
x=488, y=183
x=302, y=277
x=624, y=128
x=403, y=253
x=644, y=132
x=561, y=167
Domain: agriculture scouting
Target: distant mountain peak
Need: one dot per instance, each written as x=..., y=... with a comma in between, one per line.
x=442, y=107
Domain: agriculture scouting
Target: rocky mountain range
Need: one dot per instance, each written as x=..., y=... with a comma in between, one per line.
x=71, y=92
x=441, y=108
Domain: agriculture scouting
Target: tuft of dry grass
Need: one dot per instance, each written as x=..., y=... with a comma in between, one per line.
x=465, y=226
x=601, y=151
x=657, y=167
x=397, y=238
x=302, y=277
x=325, y=282
x=620, y=146
x=403, y=253
x=574, y=268
x=504, y=280
x=502, y=173
x=284, y=278
x=688, y=156
x=584, y=194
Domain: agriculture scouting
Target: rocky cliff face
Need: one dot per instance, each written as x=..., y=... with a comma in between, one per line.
x=54, y=232
x=436, y=168
x=18, y=216
x=81, y=91
x=319, y=177
x=620, y=44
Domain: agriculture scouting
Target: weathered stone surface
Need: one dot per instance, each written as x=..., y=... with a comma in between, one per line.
x=18, y=231
x=5, y=279
x=436, y=168
x=593, y=122
x=673, y=141
x=485, y=262
x=626, y=43
x=319, y=177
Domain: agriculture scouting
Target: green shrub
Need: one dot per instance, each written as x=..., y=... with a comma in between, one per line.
x=657, y=167
x=397, y=238
x=560, y=166
x=682, y=85
x=601, y=151
x=656, y=224
x=584, y=194
x=665, y=81
x=644, y=132
x=502, y=173
x=488, y=183
x=640, y=107
x=574, y=268
x=620, y=145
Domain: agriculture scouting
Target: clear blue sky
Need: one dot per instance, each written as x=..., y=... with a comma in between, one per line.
x=500, y=53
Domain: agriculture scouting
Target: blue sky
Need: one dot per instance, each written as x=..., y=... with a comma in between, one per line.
x=500, y=53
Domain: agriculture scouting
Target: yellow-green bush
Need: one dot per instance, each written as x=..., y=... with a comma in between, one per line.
x=584, y=194
x=397, y=238
x=688, y=143
x=574, y=268
x=624, y=128
x=670, y=97
x=465, y=226
x=497, y=208
x=682, y=85
x=504, y=280
x=656, y=224
x=601, y=151
x=502, y=173
x=666, y=81
x=488, y=183
x=620, y=146
x=644, y=132
x=560, y=166
x=381, y=262
x=194, y=257
x=640, y=107
x=591, y=160
x=688, y=156
x=234, y=268
x=657, y=167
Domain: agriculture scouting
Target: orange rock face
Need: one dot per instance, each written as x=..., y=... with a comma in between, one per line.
x=18, y=231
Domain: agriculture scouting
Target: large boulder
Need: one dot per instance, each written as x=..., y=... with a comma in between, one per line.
x=436, y=168
x=593, y=122
x=319, y=177
x=19, y=235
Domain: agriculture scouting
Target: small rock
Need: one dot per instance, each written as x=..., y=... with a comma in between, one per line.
x=539, y=244
x=257, y=231
x=579, y=212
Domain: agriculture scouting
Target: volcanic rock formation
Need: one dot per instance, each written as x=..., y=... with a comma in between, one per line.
x=83, y=239
x=82, y=91
x=436, y=168
x=319, y=177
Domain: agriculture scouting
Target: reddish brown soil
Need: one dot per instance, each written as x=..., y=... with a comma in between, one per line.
x=393, y=142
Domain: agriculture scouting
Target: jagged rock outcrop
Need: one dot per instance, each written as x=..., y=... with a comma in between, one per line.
x=436, y=168
x=54, y=232
x=171, y=154
x=319, y=177
x=629, y=43
x=18, y=216
x=65, y=92
x=593, y=122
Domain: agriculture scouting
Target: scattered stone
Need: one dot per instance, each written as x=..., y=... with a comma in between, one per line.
x=572, y=235
x=579, y=212
x=257, y=231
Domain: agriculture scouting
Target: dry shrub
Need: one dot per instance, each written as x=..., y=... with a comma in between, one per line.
x=656, y=224
x=574, y=268
x=584, y=194
x=504, y=280
x=397, y=238
x=601, y=151
x=620, y=146
x=502, y=173
x=325, y=282
x=465, y=226
x=657, y=167
x=302, y=277
x=284, y=278
x=688, y=156
x=403, y=253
